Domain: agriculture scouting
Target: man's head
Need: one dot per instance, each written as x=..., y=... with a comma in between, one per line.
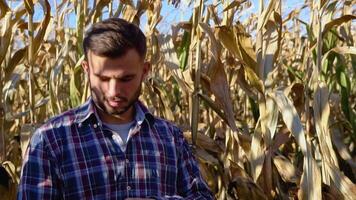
x=115, y=51
x=113, y=37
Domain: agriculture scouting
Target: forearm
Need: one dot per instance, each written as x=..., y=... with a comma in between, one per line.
x=38, y=176
x=191, y=184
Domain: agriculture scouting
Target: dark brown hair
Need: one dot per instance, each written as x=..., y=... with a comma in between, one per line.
x=113, y=37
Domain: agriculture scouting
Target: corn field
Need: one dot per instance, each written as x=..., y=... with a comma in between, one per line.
x=267, y=100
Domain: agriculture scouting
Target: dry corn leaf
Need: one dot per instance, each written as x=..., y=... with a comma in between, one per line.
x=74, y=93
x=41, y=32
x=220, y=88
x=286, y=169
x=153, y=15
x=54, y=73
x=229, y=177
x=129, y=13
x=215, y=49
x=206, y=157
x=265, y=15
x=13, y=63
x=311, y=180
x=208, y=175
x=228, y=40
x=342, y=149
x=11, y=85
x=310, y=185
x=26, y=133
x=247, y=189
x=321, y=117
x=290, y=118
x=11, y=170
x=234, y=4
x=168, y=114
x=340, y=50
x=337, y=22
x=342, y=183
x=97, y=12
x=154, y=49
x=12, y=116
x=6, y=36
x=268, y=39
x=281, y=138
x=239, y=174
x=226, y=36
x=238, y=171
x=3, y=8
x=214, y=16
x=204, y=142
x=29, y=6
x=241, y=80
x=171, y=61
x=214, y=106
x=218, y=81
x=265, y=181
x=245, y=46
x=268, y=118
x=257, y=153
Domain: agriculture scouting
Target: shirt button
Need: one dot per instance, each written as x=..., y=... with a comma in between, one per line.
x=95, y=126
x=127, y=161
x=128, y=187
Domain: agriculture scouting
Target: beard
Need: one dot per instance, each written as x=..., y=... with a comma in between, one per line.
x=102, y=102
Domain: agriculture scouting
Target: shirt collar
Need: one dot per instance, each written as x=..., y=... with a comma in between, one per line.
x=87, y=111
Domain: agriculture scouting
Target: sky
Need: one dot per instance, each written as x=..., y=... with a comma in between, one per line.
x=172, y=15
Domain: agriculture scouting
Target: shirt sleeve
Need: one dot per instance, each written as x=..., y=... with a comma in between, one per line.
x=191, y=184
x=39, y=179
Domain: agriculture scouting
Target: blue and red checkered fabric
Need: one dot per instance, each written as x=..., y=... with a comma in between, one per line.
x=73, y=156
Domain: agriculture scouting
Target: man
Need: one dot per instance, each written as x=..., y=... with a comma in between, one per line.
x=111, y=147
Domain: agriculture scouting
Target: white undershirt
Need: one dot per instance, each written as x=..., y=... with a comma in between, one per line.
x=121, y=132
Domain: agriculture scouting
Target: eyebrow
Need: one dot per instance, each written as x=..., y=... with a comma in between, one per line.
x=122, y=77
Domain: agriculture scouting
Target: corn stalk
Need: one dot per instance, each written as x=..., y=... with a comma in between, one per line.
x=267, y=99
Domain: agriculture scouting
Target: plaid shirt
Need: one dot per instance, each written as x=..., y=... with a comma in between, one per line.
x=73, y=156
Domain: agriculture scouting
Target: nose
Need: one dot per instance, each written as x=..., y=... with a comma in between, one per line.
x=114, y=88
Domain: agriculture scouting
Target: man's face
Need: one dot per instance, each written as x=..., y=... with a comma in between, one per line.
x=115, y=84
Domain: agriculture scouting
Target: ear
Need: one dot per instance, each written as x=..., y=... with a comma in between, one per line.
x=146, y=69
x=85, y=66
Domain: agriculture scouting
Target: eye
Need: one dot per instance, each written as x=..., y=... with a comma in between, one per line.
x=127, y=78
x=104, y=78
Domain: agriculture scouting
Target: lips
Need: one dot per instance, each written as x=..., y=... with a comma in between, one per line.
x=115, y=102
